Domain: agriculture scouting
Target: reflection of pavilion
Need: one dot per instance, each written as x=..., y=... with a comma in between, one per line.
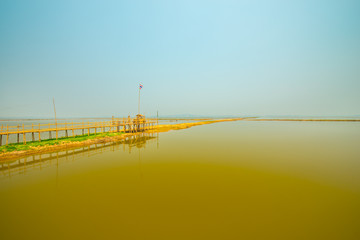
x=40, y=161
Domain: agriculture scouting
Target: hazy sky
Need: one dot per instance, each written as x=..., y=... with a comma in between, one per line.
x=193, y=57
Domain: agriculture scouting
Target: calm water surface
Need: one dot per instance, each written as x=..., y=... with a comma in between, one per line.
x=250, y=180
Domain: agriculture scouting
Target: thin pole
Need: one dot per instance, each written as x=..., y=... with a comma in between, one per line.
x=55, y=118
x=139, y=102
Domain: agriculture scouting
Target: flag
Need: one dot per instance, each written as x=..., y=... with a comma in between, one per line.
x=141, y=86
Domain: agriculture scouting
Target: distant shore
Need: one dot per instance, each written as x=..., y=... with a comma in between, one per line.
x=302, y=119
x=333, y=119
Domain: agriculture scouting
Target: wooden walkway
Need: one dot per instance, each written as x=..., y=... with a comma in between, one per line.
x=115, y=125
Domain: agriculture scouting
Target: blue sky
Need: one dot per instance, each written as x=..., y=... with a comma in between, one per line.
x=193, y=57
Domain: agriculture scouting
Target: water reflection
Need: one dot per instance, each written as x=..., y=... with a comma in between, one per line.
x=46, y=160
x=251, y=180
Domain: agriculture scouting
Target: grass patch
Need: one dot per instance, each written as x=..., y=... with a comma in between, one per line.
x=49, y=142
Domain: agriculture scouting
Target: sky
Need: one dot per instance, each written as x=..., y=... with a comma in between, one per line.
x=210, y=58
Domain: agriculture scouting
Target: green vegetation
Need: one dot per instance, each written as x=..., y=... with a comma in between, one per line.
x=49, y=142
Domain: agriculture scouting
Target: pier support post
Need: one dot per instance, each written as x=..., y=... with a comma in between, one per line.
x=32, y=132
x=18, y=135
x=73, y=129
x=39, y=134
x=24, y=136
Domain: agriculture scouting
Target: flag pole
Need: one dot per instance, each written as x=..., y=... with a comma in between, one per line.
x=139, y=101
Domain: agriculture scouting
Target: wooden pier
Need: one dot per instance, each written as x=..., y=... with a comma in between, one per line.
x=138, y=124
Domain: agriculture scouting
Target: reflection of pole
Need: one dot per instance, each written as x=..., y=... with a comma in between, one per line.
x=140, y=170
x=57, y=169
x=157, y=140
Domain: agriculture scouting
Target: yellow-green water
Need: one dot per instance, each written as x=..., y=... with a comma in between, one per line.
x=235, y=180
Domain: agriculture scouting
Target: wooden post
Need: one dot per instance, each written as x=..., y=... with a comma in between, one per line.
x=88, y=129
x=24, y=136
x=39, y=134
x=73, y=128
x=50, y=137
x=18, y=135
x=66, y=131
x=83, y=128
x=32, y=132
x=7, y=135
x=1, y=139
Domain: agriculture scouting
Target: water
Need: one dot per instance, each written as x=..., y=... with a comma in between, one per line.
x=251, y=180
